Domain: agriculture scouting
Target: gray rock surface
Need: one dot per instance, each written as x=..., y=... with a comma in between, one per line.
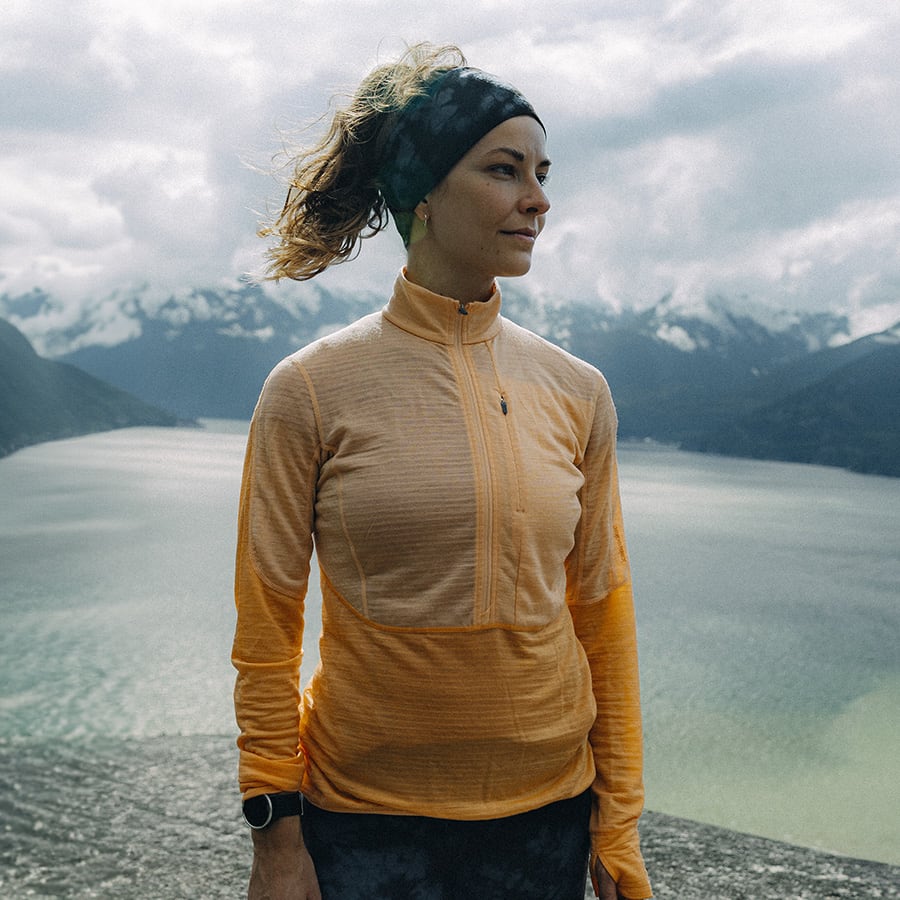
x=144, y=820
x=691, y=861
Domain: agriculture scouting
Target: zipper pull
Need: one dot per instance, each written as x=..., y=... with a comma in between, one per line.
x=462, y=309
x=503, y=405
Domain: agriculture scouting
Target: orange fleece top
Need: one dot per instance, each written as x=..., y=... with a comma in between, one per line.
x=478, y=658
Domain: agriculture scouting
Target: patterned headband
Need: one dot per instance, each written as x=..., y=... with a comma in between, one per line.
x=435, y=130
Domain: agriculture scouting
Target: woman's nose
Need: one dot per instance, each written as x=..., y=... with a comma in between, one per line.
x=536, y=201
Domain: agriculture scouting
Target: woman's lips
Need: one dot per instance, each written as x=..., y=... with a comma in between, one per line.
x=524, y=234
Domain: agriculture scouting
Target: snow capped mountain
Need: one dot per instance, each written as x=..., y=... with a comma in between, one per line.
x=260, y=313
x=718, y=322
x=242, y=310
x=700, y=374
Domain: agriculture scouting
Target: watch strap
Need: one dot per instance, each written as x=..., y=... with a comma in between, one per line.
x=261, y=811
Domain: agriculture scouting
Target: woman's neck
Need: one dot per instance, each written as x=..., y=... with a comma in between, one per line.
x=448, y=283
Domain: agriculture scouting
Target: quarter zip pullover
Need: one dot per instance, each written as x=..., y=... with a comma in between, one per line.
x=457, y=476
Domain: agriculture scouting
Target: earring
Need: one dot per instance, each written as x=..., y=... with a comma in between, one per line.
x=425, y=222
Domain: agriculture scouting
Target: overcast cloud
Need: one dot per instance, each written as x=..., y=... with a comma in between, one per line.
x=737, y=148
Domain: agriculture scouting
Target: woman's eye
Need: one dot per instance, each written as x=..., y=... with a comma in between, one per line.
x=504, y=169
x=543, y=177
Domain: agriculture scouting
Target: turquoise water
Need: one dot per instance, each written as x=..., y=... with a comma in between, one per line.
x=767, y=602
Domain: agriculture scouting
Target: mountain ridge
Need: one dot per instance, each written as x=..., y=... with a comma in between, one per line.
x=43, y=400
x=714, y=377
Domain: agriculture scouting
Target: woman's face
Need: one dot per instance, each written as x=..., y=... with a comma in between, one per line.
x=485, y=216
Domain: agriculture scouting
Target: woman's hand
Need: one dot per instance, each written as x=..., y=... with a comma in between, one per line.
x=604, y=886
x=282, y=867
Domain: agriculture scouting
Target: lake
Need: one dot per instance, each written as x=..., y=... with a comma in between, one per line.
x=767, y=601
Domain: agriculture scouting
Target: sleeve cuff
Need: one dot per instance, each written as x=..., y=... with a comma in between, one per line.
x=258, y=775
x=628, y=872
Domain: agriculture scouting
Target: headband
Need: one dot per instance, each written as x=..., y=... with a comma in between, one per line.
x=436, y=129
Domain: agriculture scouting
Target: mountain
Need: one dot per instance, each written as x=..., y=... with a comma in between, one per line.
x=42, y=400
x=203, y=353
x=676, y=375
x=718, y=376
x=850, y=417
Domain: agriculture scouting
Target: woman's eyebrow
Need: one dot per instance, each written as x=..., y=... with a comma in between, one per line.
x=519, y=155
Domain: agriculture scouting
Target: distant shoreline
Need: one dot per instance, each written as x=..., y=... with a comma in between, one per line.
x=239, y=426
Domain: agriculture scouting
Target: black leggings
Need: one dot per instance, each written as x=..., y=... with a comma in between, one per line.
x=537, y=855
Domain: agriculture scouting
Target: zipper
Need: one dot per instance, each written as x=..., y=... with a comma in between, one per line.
x=512, y=440
x=484, y=572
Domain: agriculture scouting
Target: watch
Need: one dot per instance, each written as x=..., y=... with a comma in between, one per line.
x=261, y=811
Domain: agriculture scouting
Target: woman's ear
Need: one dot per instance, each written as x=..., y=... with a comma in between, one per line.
x=419, y=222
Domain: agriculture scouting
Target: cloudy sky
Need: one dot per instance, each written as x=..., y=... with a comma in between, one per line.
x=747, y=148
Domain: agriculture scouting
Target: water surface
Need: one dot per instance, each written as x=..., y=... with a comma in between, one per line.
x=767, y=598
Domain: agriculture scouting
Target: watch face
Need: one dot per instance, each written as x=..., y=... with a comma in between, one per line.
x=258, y=811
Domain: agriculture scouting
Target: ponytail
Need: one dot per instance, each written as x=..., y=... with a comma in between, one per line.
x=334, y=199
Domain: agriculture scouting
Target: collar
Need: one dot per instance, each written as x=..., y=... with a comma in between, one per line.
x=437, y=318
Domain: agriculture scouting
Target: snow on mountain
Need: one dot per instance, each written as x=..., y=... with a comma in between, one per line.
x=888, y=336
x=700, y=373
x=704, y=323
x=255, y=312
x=677, y=336
x=242, y=310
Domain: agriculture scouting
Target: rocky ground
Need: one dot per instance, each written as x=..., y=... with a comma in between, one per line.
x=157, y=820
x=690, y=861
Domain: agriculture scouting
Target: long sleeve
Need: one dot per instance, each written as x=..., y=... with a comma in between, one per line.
x=275, y=526
x=601, y=603
x=457, y=475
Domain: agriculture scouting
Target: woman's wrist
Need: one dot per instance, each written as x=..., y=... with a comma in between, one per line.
x=281, y=836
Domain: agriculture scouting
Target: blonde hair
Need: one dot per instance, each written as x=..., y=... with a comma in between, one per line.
x=333, y=200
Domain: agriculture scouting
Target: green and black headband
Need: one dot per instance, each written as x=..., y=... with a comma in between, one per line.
x=435, y=130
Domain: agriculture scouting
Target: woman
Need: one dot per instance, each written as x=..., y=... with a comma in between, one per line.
x=473, y=726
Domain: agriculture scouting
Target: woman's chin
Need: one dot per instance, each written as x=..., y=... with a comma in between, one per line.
x=516, y=267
